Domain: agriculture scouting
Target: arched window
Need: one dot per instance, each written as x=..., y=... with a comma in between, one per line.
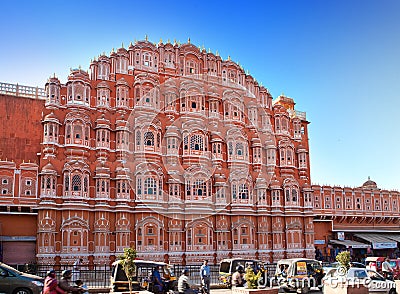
x=149, y=187
x=198, y=188
x=76, y=184
x=240, y=191
x=138, y=135
x=147, y=59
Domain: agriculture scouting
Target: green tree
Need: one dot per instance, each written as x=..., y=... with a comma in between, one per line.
x=344, y=259
x=128, y=264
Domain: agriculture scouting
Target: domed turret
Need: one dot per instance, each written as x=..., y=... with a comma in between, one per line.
x=53, y=87
x=369, y=184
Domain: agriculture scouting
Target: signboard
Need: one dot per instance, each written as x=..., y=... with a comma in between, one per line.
x=384, y=245
x=301, y=268
x=340, y=236
x=319, y=242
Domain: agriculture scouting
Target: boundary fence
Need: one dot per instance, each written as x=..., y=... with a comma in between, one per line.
x=98, y=276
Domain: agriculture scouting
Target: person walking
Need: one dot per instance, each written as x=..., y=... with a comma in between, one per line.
x=205, y=276
x=76, y=270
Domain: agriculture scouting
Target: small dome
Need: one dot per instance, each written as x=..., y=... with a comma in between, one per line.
x=51, y=117
x=369, y=184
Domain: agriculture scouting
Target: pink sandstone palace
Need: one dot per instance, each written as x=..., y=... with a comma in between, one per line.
x=172, y=150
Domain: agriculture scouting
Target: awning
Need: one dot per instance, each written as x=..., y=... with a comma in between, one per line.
x=394, y=237
x=379, y=241
x=350, y=243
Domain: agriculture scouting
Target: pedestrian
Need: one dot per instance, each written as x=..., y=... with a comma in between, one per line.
x=76, y=272
x=205, y=276
x=51, y=284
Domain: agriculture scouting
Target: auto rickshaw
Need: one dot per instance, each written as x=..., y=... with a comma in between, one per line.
x=299, y=274
x=228, y=266
x=142, y=278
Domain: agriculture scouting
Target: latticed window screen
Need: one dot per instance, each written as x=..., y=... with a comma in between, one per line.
x=294, y=195
x=196, y=142
x=243, y=191
x=185, y=142
x=150, y=186
x=85, y=184
x=230, y=148
x=200, y=188
x=137, y=137
x=66, y=182
x=48, y=183
x=76, y=183
x=239, y=149
x=139, y=186
x=149, y=139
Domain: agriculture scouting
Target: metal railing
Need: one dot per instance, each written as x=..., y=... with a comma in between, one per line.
x=98, y=276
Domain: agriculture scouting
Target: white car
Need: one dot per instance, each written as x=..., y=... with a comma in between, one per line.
x=357, y=277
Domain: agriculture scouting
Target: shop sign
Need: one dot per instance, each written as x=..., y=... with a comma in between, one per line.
x=340, y=236
x=384, y=245
x=319, y=242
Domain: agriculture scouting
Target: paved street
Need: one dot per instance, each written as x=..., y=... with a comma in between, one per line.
x=214, y=291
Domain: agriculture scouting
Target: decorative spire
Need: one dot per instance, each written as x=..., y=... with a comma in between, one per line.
x=160, y=41
x=122, y=46
x=229, y=57
x=209, y=50
x=146, y=37
x=168, y=41
x=217, y=53
x=175, y=42
x=189, y=40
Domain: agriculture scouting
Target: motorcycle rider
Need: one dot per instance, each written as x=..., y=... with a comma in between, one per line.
x=64, y=283
x=183, y=283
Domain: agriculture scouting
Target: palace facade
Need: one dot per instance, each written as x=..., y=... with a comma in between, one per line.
x=174, y=151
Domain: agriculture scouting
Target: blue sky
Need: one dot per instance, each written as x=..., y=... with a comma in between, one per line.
x=339, y=60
